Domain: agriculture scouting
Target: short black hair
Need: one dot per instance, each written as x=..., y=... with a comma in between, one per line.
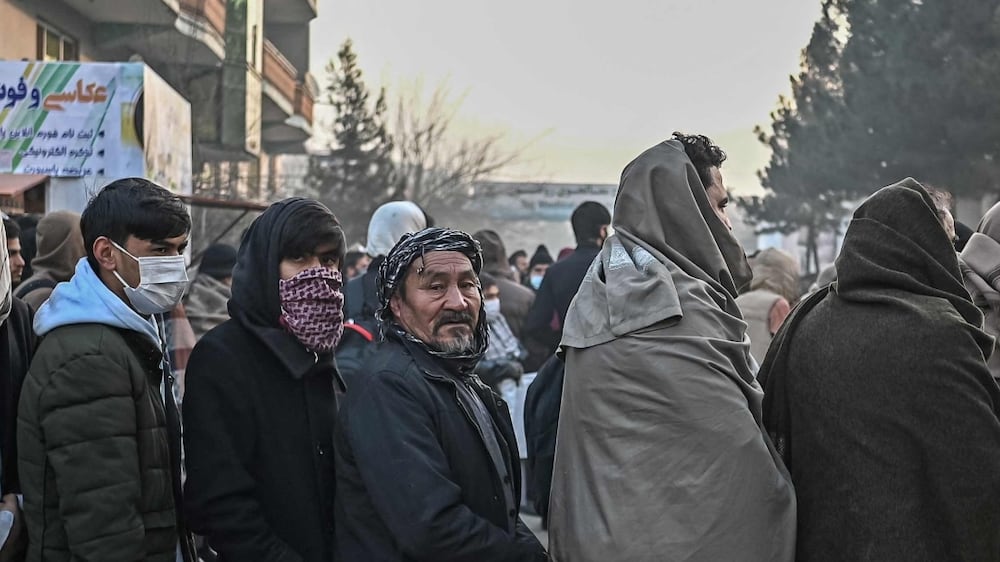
x=352, y=258
x=512, y=260
x=314, y=225
x=12, y=228
x=132, y=207
x=486, y=280
x=587, y=220
x=704, y=154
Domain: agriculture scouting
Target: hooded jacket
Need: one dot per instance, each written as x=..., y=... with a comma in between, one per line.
x=660, y=454
x=60, y=247
x=773, y=291
x=890, y=428
x=387, y=225
x=259, y=412
x=980, y=265
x=99, y=448
x=206, y=304
x=390, y=222
x=515, y=299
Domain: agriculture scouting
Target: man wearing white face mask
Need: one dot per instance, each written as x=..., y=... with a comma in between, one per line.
x=98, y=443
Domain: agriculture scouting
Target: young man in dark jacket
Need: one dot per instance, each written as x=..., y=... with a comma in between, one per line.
x=427, y=464
x=260, y=400
x=590, y=221
x=98, y=445
x=17, y=345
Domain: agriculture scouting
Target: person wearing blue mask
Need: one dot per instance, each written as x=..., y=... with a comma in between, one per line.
x=538, y=265
x=98, y=432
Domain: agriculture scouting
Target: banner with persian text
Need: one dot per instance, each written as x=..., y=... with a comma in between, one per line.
x=94, y=121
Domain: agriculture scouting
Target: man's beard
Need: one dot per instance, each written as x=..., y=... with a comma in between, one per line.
x=458, y=344
x=464, y=343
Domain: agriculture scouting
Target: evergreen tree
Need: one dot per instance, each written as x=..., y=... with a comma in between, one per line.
x=923, y=77
x=358, y=174
x=888, y=89
x=804, y=179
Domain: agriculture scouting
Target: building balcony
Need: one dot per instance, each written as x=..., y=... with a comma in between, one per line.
x=287, y=108
x=204, y=19
x=168, y=31
x=289, y=11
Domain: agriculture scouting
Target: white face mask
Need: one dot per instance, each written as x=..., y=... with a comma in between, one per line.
x=536, y=281
x=162, y=282
x=491, y=307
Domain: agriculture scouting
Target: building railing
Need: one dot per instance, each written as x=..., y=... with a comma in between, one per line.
x=281, y=74
x=213, y=11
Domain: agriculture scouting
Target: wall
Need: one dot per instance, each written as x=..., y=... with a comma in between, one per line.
x=18, y=24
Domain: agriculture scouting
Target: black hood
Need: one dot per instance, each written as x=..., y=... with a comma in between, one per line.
x=255, y=302
x=895, y=241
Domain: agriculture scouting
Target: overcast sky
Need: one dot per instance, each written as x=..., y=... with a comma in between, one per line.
x=592, y=82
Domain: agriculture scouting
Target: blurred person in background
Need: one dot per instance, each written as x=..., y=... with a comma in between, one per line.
x=519, y=265
x=773, y=292
x=538, y=265
x=356, y=264
x=14, y=257
x=515, y=299
x=590, y=222
x=206, y=303
x=60, y=248
x=980, y=264
x=501, y=366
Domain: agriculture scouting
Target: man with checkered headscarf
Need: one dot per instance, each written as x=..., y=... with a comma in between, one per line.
x=426, y=459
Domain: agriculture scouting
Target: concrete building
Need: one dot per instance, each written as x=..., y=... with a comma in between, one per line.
x=241, y=63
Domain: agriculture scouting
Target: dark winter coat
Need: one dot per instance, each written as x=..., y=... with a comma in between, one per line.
x=541, y=424
x=364, y=308
x=562, y=281
x=90, y=408
x=878, y=397
x=414, y=479
x=259, y=411
x=515, y=299
x=17, y=346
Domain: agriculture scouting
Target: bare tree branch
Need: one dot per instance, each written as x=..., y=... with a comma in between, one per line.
x=435, y=163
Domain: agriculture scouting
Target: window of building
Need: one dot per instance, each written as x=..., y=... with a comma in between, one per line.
x=54, y=46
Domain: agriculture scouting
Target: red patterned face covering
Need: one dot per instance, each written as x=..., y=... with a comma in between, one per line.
x=312, y=307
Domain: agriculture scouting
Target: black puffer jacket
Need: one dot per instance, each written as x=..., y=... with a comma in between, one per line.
x=259, y=411
x=414, y=478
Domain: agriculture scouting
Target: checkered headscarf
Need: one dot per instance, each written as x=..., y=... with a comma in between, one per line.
x=392, y=274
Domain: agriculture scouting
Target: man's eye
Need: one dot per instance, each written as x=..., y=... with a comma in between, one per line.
x=436, y=287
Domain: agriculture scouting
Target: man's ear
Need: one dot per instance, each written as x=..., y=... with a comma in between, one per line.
x=104, y=253
x=395, y=305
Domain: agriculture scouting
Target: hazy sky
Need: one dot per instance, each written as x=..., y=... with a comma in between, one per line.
x=594, y=82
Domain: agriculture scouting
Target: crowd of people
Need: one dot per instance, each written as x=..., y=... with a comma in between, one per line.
x=306, y=398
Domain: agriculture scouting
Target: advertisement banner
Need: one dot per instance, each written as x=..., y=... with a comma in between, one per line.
x=93, y=121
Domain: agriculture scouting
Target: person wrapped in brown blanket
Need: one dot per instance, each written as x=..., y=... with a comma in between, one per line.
x=878, y=398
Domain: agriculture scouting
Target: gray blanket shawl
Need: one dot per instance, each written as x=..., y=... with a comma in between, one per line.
x=660, y=453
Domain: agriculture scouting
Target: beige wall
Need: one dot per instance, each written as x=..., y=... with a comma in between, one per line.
x=19, y=25
x=18, y=30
